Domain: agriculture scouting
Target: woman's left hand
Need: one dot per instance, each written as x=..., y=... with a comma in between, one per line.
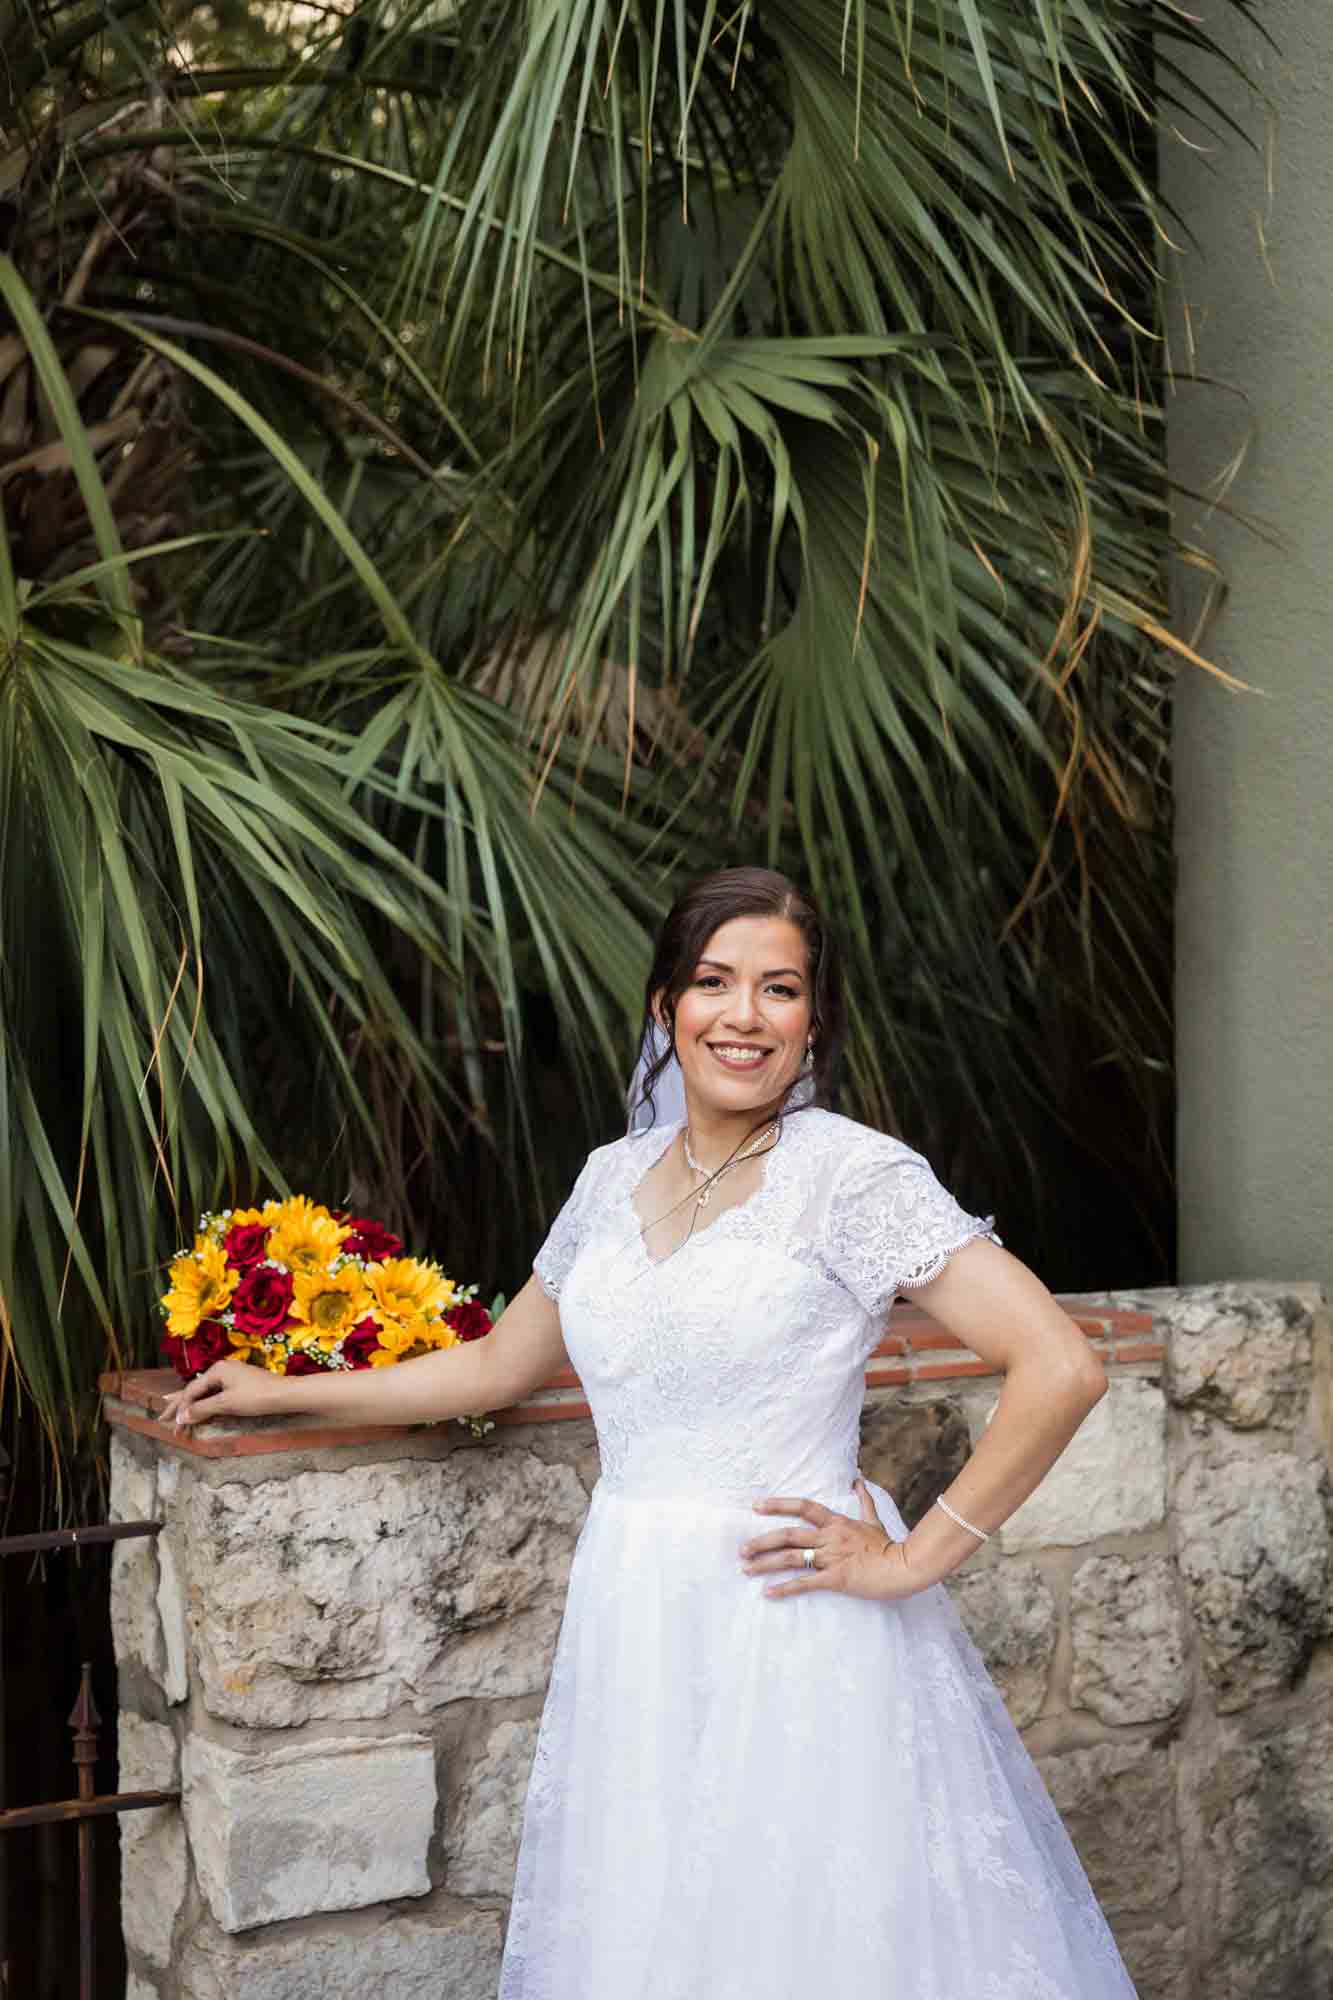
x=855, y=1557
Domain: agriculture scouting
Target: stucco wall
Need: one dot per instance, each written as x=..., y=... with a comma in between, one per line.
x=1254, y=773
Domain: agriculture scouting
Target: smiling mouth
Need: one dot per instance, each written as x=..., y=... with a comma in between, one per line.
x=738, y=1055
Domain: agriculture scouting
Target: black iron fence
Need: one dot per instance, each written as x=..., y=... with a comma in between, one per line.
x=87, y=1804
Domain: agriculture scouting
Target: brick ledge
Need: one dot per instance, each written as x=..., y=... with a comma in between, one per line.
x=132, y=1398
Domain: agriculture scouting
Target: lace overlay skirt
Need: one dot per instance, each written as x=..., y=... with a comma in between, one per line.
x=817, y=1798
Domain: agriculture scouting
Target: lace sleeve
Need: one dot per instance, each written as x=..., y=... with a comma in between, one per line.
x=891, y=1226
x=555, y=1260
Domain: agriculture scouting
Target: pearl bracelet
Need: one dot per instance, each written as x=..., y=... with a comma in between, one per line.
x=980, y=1533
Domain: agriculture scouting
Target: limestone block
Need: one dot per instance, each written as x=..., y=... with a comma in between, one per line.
x=1253, y=1531
x=913, y=1450
x=133, y=1494
x=153, y=1863
x=482, y=1839
x=1010, y=1617
x=1110, y=1480
x=1129, y=1637
x=348, y=1592
x=1117, y=1801
x=1156, y=1959
x=1258, y=1823
x=453, y=1956
x=332, y=1825
x=136, y=1629
x=1241, y=1353
x=171, y=1619
x=139, y=1988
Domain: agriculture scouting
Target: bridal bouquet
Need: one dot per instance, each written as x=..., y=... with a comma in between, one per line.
x=296, y=1287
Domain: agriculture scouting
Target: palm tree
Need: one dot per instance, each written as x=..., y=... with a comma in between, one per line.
x=466, y=468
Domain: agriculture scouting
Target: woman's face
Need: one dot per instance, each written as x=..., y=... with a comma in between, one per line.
x=743, y=1021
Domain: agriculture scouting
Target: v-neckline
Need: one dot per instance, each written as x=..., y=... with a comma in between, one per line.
x=697, y=1234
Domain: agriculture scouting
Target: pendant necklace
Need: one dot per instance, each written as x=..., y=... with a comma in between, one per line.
x=696, y=1202
x=711, y=1178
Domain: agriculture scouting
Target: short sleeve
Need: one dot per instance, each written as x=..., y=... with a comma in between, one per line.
x=555, y=1260
x=891, y=1226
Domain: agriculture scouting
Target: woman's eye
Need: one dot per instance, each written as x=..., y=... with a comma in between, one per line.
x=785, y=992
x=708, y=979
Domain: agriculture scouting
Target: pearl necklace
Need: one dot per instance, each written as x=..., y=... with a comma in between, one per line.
x=713, y=1176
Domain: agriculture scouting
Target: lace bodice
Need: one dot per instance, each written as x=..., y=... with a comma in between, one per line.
x=736, y=1366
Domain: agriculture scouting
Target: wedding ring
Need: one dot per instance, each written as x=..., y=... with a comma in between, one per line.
x=809, y=1558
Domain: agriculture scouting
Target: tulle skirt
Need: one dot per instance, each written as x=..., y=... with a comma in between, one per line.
x=737, y=1797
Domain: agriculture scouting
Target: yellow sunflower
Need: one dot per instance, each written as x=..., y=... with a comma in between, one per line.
x=304, y=1235
x=398, y=1336
x=245, y=1343
x=296, y=1208
x=201, y=1286
x=241, y=1218
x=439, y=1333
x=405, y=1289
x=330, y=1307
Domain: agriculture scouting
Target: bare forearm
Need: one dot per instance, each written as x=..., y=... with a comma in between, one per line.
x=1038, y=1413
x=426, y=1390
x=522, y=1351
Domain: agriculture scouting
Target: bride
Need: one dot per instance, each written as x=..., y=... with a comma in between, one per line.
x=771, y=1765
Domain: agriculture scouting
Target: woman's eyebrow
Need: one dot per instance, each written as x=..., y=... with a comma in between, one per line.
x=791, y=971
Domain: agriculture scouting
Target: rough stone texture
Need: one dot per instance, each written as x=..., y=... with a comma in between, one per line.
x=323, y=1825
x=1259, y=1849
x=1252, y=1532
x=348, y=1593
x=172, y=1620
x=1117, y=1800
x=1240, y=1353
x=453, y=1956
x=373, y=1582
x=481, y=1844
x=913, y=1450
x=1110, y=1480
x=136, y=1629
x=1129, y=1639
x=1011, y=1618
x=1157, y=1959
x=154, y=1867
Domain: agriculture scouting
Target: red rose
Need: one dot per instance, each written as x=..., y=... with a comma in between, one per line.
x=371, y=1240
x=261, y=1301
x=245, y=1244
x=470, y=1321
x=361, y=1342
x=300, y=1363
x=207, y=1344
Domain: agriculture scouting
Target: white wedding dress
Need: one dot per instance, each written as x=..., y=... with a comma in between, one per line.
x=737, y=1797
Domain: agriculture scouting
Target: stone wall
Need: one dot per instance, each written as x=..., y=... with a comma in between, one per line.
x=340, y=1642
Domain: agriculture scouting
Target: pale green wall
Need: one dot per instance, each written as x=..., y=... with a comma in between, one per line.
x=1254, y=774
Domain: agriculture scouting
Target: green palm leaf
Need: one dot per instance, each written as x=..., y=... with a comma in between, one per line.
x=465, y=472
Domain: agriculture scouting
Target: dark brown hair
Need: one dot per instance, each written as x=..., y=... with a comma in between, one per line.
x=703, y=909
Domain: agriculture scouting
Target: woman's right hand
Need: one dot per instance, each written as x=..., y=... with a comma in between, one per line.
x=233, y=1388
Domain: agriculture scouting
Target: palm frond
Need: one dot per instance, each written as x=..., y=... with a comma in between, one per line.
x=466, y=471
